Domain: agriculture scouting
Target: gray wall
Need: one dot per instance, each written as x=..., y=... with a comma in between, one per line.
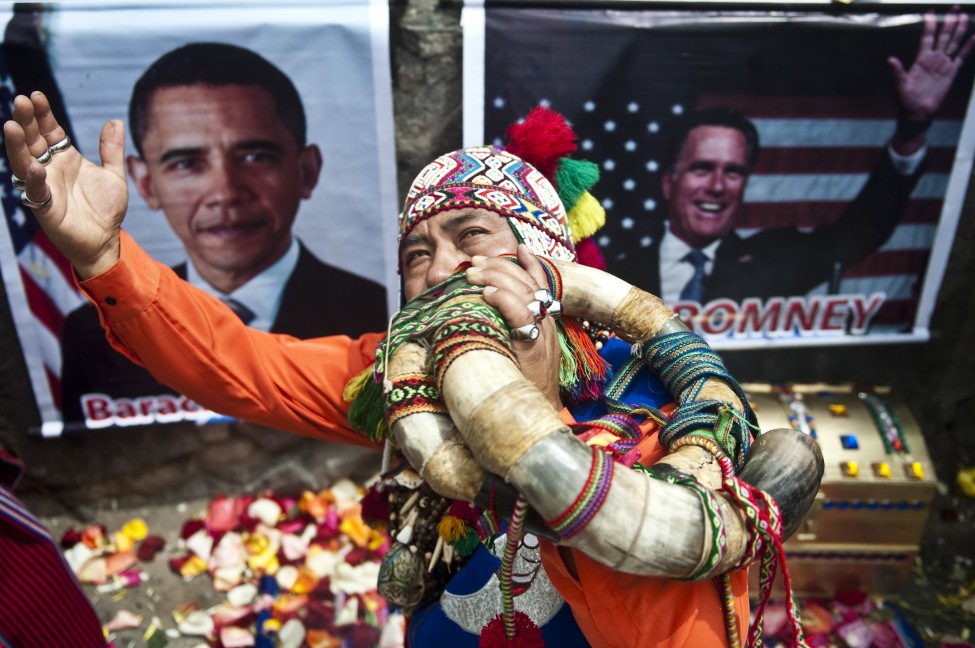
x=166, y=464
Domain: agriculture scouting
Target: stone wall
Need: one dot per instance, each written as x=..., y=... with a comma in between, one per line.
x=133, y=467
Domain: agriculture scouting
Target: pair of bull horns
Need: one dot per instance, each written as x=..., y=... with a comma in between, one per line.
x=501, y=426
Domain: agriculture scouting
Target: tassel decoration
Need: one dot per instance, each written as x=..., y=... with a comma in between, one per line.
x=574, y=178
x=586, y=218
x=354, y=387
x=452, y=529
x=466, y=545
x=464, y=511
x=590, y=369
x=367, y=411
x=527, y=634
x=541, y=140
x=375, y=506
x=589, y=254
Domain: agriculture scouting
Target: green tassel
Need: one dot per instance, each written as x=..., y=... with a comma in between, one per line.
x=568, y=367
x=466, y=545
x=367, y=412
x=574, y=178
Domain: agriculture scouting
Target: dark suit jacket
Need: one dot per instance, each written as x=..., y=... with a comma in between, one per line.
x=779, y=262
x=318, y=300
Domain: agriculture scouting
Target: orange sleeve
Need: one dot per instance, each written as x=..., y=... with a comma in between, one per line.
x=623, y=610
x=192, y=342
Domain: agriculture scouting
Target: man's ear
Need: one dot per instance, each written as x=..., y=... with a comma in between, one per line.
x=310, y=164
x=139, y=172
x=667, y=183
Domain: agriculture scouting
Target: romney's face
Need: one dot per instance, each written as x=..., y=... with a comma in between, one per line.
x=706, y=187
x=226, y=173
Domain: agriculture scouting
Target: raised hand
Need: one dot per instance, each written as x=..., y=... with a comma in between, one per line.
x=79, y=204
x=922, y=88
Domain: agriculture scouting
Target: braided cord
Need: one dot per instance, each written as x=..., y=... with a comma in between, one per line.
x=684, y=362
x=763, y=522
x=516, y=531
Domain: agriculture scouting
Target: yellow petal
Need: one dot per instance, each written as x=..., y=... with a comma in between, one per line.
x=136, y=529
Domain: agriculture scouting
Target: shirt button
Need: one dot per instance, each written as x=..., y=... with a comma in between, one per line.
x=111, y=301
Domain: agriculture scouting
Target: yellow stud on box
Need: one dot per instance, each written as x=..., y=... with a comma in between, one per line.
x=914, y=470
x=850, y=468
x=881, y=469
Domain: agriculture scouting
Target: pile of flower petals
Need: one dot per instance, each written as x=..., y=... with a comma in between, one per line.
x=297, y=571
x=848, y=620
x=110, y=560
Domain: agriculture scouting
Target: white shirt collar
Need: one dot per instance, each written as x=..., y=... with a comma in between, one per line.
x=262, y=294
x=674, y=271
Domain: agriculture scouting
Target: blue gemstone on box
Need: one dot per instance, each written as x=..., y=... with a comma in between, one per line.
x=849, y=442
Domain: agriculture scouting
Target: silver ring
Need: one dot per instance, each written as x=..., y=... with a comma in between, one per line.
x=17, y=182
x=63, y=145
x=554, y=309
x=27, y=202
x=528, y=332
x=45, y=157
x=537, y=309
x=544, y=305
x=544, y=295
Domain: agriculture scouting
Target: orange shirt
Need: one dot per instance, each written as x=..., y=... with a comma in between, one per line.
x=193, y=343
x=624, y=610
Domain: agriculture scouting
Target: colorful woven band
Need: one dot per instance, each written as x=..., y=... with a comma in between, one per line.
x=469, y=327
x=575, y=518
x=410, y=394
x=554, y=277
x=684, y=361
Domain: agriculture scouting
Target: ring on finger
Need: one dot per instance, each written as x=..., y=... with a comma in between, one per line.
x=17, y=182
x=527, y=333
x=27, y=202
x=538, y=310
x=544, y=305
x=45, y=157
x=63, y=145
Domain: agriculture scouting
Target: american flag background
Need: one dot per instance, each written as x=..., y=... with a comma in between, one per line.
x=45, y=276
x=818, y=88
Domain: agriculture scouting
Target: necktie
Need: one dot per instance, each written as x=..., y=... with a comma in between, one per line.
x=694, y=288
x=245, y=314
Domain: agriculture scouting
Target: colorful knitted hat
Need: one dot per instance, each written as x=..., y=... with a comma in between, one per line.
x=522, y=182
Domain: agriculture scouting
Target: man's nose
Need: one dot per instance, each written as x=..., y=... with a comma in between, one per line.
x=443, y=264
x=717, y=182
x=226, y=184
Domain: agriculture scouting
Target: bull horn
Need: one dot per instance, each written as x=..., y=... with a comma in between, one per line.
x=503, y=424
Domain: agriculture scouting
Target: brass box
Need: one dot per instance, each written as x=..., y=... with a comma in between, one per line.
x=864, y=530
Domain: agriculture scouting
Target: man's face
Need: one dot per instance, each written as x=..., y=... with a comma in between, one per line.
x=705, y=189
x=227, y=174
x=435, y=247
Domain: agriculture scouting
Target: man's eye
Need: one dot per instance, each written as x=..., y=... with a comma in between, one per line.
x=258, y=156
x=413, y=256
x=185, y=164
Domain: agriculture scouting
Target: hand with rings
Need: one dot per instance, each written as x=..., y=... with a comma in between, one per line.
x=79, y=204
x=519, y=291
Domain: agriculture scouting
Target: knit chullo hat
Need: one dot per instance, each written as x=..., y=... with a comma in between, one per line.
x=544, y=195
x=530, y=181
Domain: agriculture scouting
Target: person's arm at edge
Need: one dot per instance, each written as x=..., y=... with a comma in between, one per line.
x=193, y=343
